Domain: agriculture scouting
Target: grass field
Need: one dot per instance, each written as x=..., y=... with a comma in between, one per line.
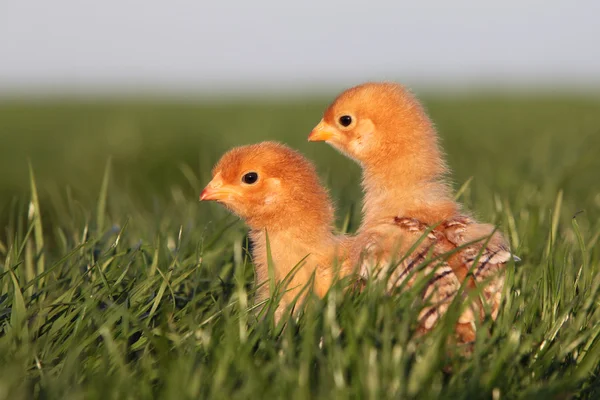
x=115, y=282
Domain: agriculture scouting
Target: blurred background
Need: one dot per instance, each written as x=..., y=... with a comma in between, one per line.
x=164, y=88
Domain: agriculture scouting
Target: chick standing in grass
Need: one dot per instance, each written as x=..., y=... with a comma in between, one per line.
x=278, y=193
x=385, y=129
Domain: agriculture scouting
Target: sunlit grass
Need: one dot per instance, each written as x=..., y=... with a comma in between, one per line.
x=115, y=282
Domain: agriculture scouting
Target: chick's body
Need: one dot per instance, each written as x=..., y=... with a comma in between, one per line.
x=386, y=130
x=278, y=193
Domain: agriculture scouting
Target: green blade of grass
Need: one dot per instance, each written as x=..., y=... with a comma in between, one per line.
x=35, y=216
x=102, y=198
x=18, y=316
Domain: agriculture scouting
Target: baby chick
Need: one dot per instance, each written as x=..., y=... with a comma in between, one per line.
x=277, y=192
x=385, y=129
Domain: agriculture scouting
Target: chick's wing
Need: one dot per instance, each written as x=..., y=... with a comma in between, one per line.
x=387, y=252
x=482, y=244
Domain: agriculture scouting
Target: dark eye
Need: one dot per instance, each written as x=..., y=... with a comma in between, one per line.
x=345, y=120
x=250, y=178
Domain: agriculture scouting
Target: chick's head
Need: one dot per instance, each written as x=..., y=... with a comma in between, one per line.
x=269, y=185
x=369, y=119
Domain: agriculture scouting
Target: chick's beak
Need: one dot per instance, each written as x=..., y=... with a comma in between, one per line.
x=216, y=190
x=322, y=132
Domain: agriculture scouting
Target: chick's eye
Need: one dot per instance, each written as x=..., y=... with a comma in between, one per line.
x=345, y=120
x=250, y=178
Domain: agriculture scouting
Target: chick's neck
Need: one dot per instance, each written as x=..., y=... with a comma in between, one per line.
x=305, y=221
x=406, y=179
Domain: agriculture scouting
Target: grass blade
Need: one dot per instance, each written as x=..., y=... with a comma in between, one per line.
x=35, y=216
x=102, y=198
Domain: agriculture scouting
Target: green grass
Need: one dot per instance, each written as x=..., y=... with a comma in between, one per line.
x=116, y=283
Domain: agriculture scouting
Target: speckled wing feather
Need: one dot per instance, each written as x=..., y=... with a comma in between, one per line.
x=388, y=243
x=489, y=270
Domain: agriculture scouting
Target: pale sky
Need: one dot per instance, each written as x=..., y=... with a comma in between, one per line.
x=253, y=44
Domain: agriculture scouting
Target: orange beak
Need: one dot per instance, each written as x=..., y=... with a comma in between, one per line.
x=322, y=132
x=216, y=190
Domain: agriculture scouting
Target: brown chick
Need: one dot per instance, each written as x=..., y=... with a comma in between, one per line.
x=277, y=192
x=386, y=130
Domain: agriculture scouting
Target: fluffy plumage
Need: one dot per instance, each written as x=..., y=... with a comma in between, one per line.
x=285, y=200
x=386, y=130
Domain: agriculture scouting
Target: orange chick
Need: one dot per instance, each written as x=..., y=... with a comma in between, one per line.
x=386, y=130
x=277, y=192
